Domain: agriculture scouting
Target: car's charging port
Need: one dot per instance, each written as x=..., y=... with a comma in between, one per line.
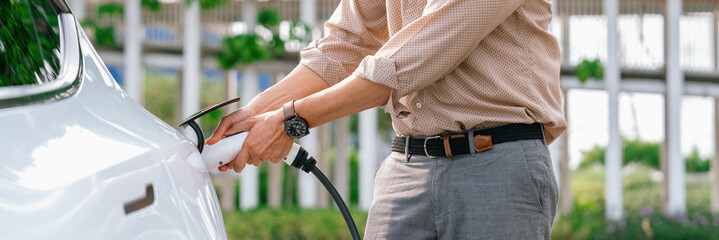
x=190, y=121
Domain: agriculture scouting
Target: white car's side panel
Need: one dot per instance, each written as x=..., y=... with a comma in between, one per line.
x=68, y=167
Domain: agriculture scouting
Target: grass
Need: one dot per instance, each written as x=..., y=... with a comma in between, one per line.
x=290, y=223
x=643, y=217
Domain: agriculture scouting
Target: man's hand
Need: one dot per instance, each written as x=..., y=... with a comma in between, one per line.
x=228, y=121
x=266, y=141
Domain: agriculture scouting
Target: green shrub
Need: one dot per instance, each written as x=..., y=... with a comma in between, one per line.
x=642, y=200
x=645, y=223
x=696, y=163
x=290, y=223
x=647, y=153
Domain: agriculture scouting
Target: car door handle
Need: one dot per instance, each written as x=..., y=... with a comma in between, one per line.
x=142, y=202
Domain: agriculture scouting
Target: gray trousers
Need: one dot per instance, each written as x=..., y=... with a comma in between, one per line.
x=509, y=192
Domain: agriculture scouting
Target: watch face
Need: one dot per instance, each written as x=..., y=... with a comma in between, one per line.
x=296, y=128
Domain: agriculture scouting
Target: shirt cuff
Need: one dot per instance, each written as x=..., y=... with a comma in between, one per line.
x=380, y=70
x=383, y=71
x=329, y=70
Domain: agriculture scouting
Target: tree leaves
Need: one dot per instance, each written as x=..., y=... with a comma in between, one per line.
x=242, y=49
x=207, y=4
x=587, y=69
x=109, y=10
x=248, y=48
x=30, y=43
x=268, y=18
x=153, y=5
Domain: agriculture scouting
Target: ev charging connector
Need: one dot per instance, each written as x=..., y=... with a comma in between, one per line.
x=225, y=150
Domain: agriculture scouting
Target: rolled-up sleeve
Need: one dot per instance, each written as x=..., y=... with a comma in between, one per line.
x=432, y=46
x=355, y=30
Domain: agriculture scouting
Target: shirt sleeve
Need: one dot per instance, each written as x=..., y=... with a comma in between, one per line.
x=355, y=30
x=432, y=46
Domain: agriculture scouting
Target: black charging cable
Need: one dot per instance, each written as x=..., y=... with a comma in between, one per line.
x=307, y=163
x=302, y=161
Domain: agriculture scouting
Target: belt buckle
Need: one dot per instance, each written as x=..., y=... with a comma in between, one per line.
x=425, y=145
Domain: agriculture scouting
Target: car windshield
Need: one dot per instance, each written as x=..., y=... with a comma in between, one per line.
x=29, y=42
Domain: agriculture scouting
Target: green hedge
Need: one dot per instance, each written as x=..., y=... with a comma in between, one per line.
x=291, y=223
x=647, y=153
x=643, y=218
x=645, y=223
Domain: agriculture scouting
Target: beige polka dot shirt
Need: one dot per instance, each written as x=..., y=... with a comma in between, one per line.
x=452, y=65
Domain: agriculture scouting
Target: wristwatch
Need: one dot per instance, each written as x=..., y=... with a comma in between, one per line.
x=295, y=126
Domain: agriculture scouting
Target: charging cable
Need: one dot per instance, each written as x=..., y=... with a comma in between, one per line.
x=225, y=150
x=306, y=163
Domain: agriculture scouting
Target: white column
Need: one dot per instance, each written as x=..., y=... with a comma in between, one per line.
x=565, y=185
x=342, y=166
x=307, y=189
x=323, y=163
x=612, y=78
x=715, y=39
x=307, y=183
x=227, y=179
x=133, y=77
x=367, y=155
x=231, y=83
x=78, y=9
x=676, y=202
x=715, y=162
x=308, y=12
x=275, y=171
x=554, y=18
x=249, y=14
x=250, y=176
x=190, y=100
x=555, y=151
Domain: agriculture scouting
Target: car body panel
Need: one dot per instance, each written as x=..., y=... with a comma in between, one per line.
x=67, y=168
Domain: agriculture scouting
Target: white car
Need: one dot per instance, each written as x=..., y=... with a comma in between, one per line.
x=78, y=158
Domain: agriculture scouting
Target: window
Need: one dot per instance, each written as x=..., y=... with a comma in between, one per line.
x=29, y=42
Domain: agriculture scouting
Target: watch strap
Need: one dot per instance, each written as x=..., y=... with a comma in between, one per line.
x=288, y=110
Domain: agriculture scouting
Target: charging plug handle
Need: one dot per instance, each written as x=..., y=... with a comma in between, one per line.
x=301, y=160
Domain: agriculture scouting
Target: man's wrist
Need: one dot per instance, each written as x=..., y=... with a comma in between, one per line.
x=295, y=126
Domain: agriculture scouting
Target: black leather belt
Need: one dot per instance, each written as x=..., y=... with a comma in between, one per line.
x=453, y=144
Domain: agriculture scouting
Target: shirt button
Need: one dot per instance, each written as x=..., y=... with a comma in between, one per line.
x=419, y=105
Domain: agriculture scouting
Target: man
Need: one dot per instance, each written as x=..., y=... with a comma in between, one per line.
x=473, y=90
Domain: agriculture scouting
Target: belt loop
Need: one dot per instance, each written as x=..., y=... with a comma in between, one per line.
x=406, y=149
x=470, y=135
